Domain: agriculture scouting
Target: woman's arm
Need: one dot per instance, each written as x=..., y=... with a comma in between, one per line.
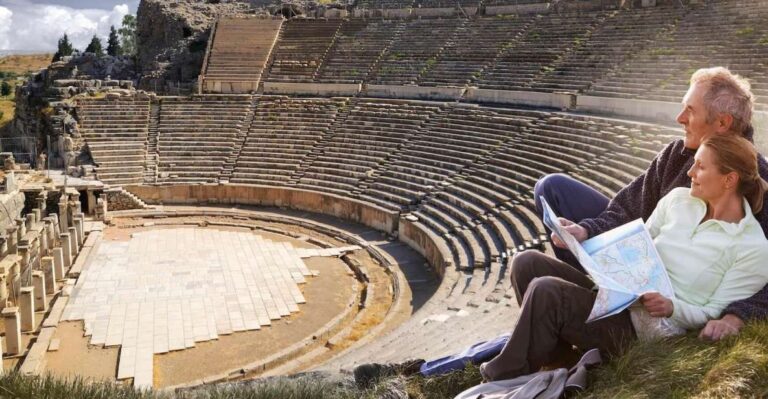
x=743, y=279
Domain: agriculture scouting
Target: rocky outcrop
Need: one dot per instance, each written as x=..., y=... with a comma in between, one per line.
x=172, y=38
x=89, y=66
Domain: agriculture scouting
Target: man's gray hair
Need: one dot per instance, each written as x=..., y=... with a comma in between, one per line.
x=727, y=93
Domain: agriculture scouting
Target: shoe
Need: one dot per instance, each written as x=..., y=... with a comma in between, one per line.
x=483, y=373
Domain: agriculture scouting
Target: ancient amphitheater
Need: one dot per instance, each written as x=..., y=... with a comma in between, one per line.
x=340, y=190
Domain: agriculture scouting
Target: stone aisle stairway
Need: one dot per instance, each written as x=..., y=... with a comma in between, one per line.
x=229, y=164
x=341, y=118
x=153, y=158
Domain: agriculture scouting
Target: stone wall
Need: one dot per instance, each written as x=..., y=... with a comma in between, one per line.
x=121, y=200
x=414, y=92
x=426, y=243
x=312, y=89
x=526, y=98
x=12, y=205
x=305, y=200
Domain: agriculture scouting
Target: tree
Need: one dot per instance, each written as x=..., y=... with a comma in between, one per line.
x=5, y=89
x=128, y=35
x=64, y=48
x=113, y=43
x=95, y=46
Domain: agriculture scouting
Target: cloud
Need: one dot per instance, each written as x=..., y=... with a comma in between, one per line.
x=27, y=26
x=6, y=16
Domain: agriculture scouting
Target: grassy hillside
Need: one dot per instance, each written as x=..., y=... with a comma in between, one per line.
x=12, y=67
x=678, y=368
x=22, y=64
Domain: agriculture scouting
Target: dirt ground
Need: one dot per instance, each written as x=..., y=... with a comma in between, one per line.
x=327, y=295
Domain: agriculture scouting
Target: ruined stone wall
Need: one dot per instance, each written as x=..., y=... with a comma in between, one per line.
x=119, y=200
x=11, y=206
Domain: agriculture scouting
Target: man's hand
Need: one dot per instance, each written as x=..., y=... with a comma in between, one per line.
x=657, y=305
x=716, y=330
x=576, y=231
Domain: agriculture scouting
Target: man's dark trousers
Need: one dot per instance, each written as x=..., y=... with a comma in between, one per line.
x=569, y=199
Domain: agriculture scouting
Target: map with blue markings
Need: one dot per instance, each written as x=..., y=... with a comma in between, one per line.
x=623, y=263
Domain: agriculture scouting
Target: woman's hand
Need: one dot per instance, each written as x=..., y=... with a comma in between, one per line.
x=657, y=305
x=578, y=232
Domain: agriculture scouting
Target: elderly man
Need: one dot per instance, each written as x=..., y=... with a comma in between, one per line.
x=717, y=102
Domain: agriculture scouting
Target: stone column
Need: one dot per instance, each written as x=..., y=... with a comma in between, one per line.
x=50, y=273
x=21, y=229
x=80, y=229
x=27, y=308
x=73, y=242
x=30, y=221
x=43, y=240
x=24, y=255
x=12, y=239
x=103, y=207
x=3, y=287
x=91, y=202
x=56, y=227
x=40, y=203
x=75, y=206
x=58, y=263
x=63, y=213
x=66, y=246
x=12, y=330
x=50, y=232
x=38, y=282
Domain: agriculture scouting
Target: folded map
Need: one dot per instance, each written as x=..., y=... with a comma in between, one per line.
x=623, y=263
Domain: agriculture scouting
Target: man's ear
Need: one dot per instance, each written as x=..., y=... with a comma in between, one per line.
x=724, y=122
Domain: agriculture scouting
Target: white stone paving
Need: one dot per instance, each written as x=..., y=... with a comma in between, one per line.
x=165, y=290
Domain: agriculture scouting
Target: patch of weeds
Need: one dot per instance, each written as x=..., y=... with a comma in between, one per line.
x=745, y=31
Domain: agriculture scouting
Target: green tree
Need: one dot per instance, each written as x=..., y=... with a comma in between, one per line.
x=95, y=46
x=113, y=43
x=128, y=35
x=5, y=89
x=64, y=48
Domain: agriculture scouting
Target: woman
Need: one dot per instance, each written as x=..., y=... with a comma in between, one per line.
x=712, y=246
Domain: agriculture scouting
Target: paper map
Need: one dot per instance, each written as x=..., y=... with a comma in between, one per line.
x=623, y=263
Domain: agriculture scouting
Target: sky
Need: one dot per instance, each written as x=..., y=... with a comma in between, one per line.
x=36, y=26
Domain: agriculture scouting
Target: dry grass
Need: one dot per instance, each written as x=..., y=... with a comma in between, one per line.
x=683, y=367
x=22, y=64
x=7, y=108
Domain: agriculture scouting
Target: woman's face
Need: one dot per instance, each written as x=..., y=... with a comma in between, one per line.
x=707, y=183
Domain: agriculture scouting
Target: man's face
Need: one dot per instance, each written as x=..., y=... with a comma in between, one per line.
x=693, y=117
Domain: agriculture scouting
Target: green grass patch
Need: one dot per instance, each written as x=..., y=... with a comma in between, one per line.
x=686, y=367
x=681, y=367
x=661, y=51
x=745, y=31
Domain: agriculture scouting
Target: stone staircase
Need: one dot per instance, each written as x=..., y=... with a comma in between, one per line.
x=153, y=158
x=229, y=164
x=306, y=163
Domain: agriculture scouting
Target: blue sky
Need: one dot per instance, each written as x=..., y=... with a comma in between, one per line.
x=37, y=25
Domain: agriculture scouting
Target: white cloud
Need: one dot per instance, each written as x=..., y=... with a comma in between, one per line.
x=29, y=26
x=6, y=16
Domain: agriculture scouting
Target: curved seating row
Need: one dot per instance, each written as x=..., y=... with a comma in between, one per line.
x=646, y=53
x=463, y=172
x=116, y=134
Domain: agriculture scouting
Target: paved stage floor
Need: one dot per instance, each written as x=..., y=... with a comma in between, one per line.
x=166, y=289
